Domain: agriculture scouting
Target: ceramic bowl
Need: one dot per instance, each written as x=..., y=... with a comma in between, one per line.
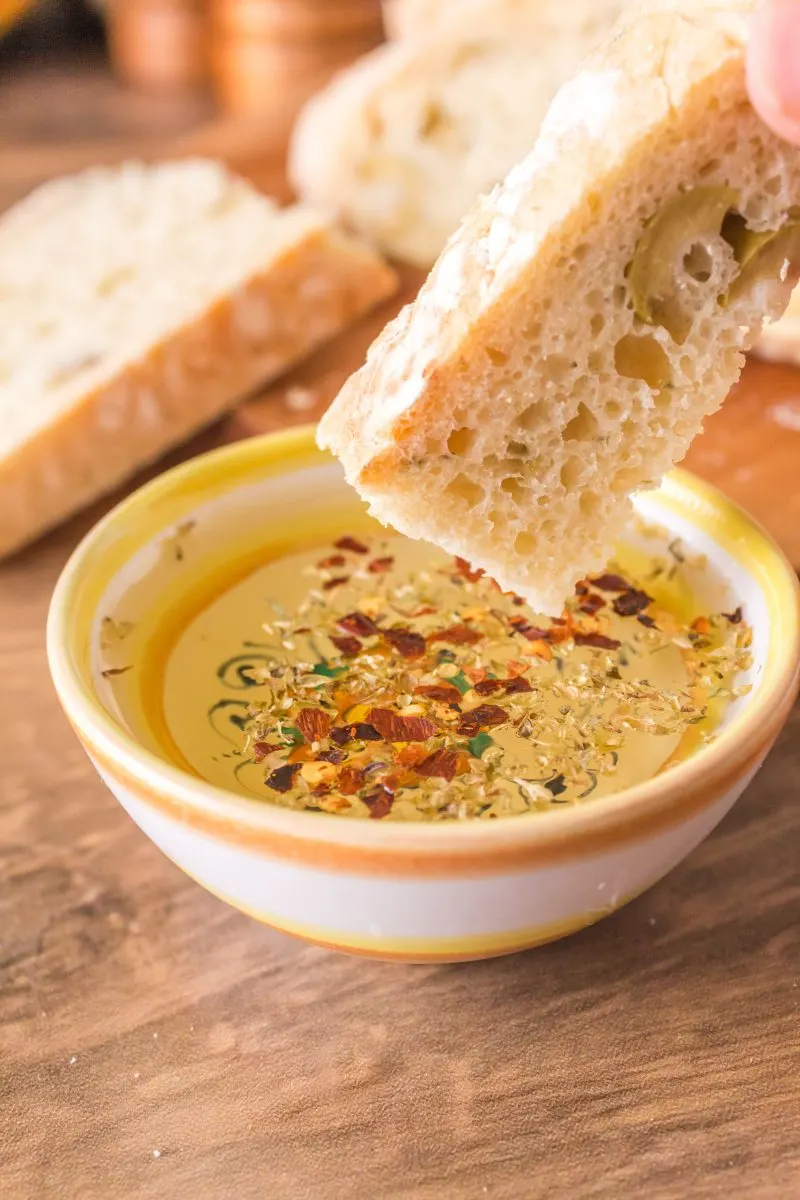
x=445, y=891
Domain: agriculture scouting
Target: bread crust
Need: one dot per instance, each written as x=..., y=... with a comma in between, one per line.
x=317, y=287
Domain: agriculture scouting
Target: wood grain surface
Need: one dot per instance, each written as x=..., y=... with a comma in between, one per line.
x=156, y=1044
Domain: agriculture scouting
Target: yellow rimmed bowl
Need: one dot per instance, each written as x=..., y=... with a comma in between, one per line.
x=397, y=891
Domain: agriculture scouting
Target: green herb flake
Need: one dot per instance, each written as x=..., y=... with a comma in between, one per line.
x=479, y=743
x=290, y=733
x=322, y=668
x=461, y=682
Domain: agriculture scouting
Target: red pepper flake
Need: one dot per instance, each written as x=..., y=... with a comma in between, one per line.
x=412, y=755
x=313, y=723
x=379, y=566
x=337, y=581
x=735, y=618
x=631, y=603
x=482, y=717
x=610, y=583
x=591, y=603
x=262, y=749
x=405, y=642
x=533, y=633
x=333, y=560
x=303, y=629
x=439, y=691
x=352, y=544
x=582, y=587
x=331, y=756
x=648, y=622
x=394, y=728
x=350, y=780
x=359, y=624
x=441, y=763
x=379, y=802
x=347, y=646
x=518, y=601
x=517, y=684
x=282, y=778
x=599, y=640
x=359, y=731
x=458, y=635
x=510, y=686
x=466, y=570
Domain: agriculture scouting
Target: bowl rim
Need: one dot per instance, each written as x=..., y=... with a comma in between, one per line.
x=627, y=815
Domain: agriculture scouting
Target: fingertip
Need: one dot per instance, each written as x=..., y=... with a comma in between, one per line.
x=773, y=67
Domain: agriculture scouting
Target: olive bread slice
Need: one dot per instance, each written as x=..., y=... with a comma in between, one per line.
x=588, y=315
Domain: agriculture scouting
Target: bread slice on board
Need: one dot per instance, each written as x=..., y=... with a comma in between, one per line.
x=136, y=305
x=588, y=314
x=400, y=144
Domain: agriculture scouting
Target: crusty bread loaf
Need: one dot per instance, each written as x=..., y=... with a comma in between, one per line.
x=136, y=305
x=587, y=316
x=401, y=144
x=780, y=340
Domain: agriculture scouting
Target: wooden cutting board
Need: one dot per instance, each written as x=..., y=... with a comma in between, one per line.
x=751, y=450
x=154, y=1042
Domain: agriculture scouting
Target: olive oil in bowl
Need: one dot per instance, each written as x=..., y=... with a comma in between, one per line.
x=378, y=678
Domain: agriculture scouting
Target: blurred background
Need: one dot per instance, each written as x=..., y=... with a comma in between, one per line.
x=89, y=81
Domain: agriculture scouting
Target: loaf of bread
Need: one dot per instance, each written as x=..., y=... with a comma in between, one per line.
x=136, y=305
x=401, y=144
x=587, y=316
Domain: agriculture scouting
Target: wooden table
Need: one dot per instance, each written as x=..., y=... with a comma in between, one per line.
x=154, y=1043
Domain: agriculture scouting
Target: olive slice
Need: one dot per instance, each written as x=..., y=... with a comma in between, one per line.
x=655, y=271
x=764, y=256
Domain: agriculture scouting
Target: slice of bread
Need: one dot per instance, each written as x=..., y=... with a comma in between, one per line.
x=780, y=340
x=136, y=305
x=587, y=316
x=401, y=144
